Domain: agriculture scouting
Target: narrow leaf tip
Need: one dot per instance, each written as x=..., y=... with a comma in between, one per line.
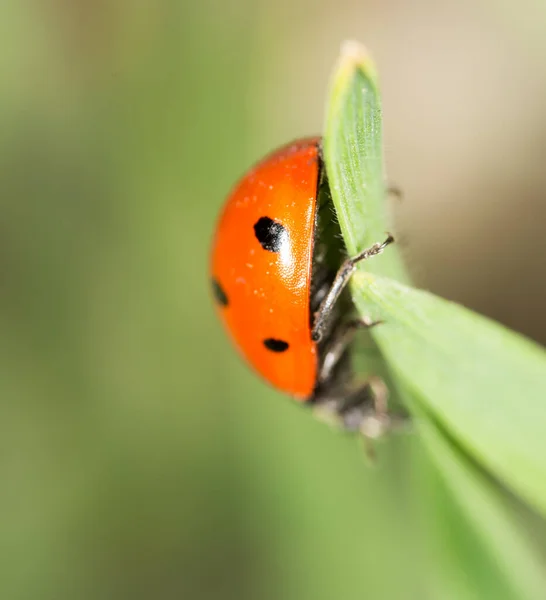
x=355, y=55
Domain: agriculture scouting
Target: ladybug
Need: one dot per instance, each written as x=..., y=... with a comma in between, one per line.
x=279, y=272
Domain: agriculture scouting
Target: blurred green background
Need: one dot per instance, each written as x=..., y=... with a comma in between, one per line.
x=139, y=457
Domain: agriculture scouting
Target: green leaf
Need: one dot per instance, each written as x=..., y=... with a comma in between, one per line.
x=476, y=390
x=479, y=545
x=354, y=157
x=485, y=384
x=353, y=151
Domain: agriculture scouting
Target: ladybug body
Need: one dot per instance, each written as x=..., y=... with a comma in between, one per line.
x=278, y=274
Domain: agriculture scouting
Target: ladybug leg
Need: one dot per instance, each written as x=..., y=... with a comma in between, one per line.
x=336, y=349
x=374, y=420
x=366, y=410
x=341, y=280
x=362, y=409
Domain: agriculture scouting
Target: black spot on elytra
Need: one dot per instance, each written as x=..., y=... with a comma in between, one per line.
x=276, y=345
x=219, y=295
x=270, y=234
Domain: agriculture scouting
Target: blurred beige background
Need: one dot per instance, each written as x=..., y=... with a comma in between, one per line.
x=139, y=457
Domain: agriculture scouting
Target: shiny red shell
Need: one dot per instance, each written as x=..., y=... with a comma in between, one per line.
x=261, y=266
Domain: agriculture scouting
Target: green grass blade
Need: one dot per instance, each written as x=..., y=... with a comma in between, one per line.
x=478, y=543
x=484, y=383
x=477, y=390
x=353, y=150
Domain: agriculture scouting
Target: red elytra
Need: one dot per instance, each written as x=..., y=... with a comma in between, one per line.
x=278, y=273
x=262, y=261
